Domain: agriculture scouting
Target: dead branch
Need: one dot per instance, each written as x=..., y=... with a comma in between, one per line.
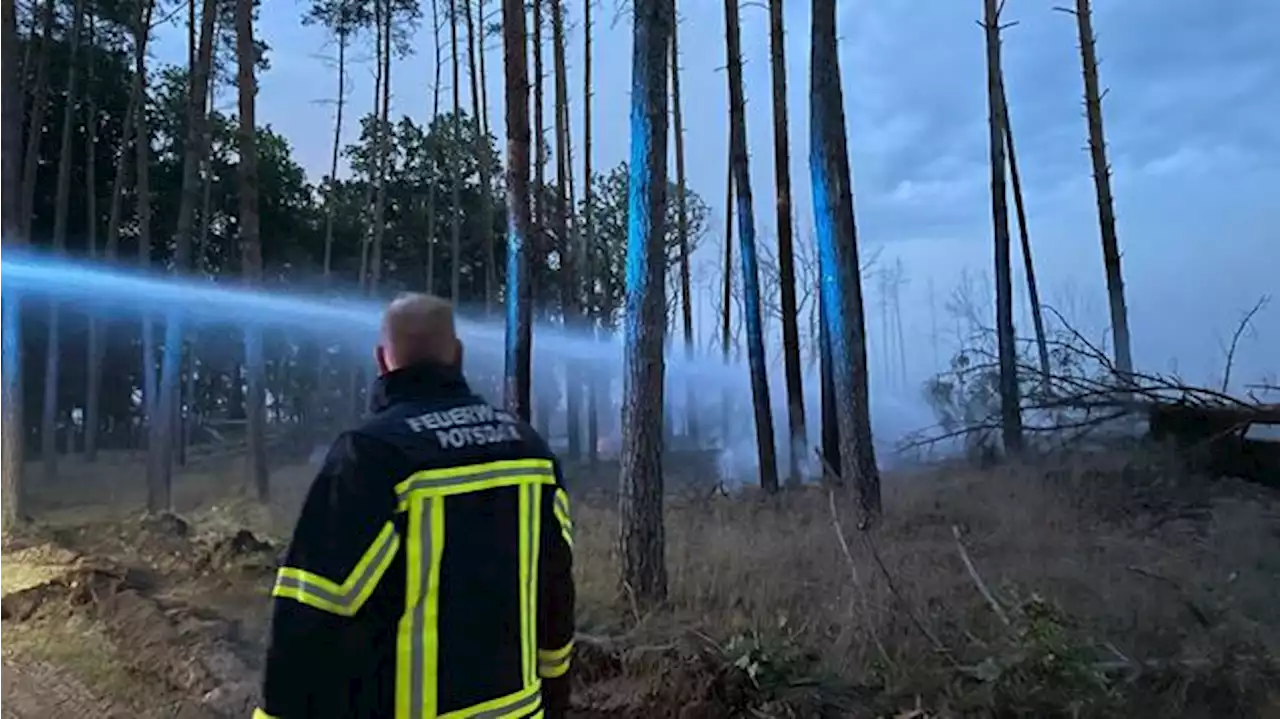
x=1241, y=328
x=977, y=579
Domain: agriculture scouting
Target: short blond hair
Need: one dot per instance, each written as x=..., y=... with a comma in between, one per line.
x=418, y=327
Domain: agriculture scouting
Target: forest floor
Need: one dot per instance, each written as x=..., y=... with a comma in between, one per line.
x=1102, y=586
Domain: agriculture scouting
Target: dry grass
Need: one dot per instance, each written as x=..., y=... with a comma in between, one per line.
x=1098, y=562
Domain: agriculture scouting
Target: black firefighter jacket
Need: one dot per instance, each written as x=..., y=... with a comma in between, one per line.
x=430, y=571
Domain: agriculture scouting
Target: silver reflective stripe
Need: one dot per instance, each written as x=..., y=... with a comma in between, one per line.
x=346, y=601
x=525, y=705
x=430, y=483
x=418, y=626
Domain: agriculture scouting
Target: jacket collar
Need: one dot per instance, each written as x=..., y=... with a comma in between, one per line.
x=426, y=380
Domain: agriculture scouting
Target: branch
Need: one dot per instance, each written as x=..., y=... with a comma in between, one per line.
x=1244, y=325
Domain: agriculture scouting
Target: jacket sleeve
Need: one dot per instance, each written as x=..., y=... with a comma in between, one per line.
x=555, y=599
x=342, y=544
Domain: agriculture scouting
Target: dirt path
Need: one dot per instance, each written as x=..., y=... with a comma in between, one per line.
x=38, y=690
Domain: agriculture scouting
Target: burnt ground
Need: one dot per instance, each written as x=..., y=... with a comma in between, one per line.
x=108, y=611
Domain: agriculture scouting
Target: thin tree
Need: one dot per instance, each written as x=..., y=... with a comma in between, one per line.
x=786, y=255
x=1102, y=186
x=518, y=298
x=433, y=149
x=157, y=487
x=641, y=538
x=91, y=222
x=100, y=326
x=384, y=19
x=750, y=271
x=481, y=130
x=251, y=248
x=568, y=253
x=1006, y=338
x=162, y=436
x=35, y=129
x=682, y=230
x=1028, y=263
x=726, y=295
x=842, y=305
x=455, y=171
x=11, y=419
x=589, y=233
x=61, y=208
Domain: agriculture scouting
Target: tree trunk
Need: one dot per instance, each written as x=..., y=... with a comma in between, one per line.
x=568, y=254
x=830, y=425
x=482, y=156
x=1102, y=184
x=682, y=229
x=1006, y=338
x=157, y=492
x=641, y=539
x=91, y=212
x=100, y=328
x=518, y=296
x=251, y=248
x=35, y=130
x=343, y=37
x=1028, y=264
x=786, y=257
x=455, y=172
x=160, y=466
x=12, y=427
x=765, y=452
x=838, y=253
x=62, y=201
x=433, y=152
x=589, y=236
x=384, y=145
x=726, y=301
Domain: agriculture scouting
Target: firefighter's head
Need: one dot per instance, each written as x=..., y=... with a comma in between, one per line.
x=418, y=328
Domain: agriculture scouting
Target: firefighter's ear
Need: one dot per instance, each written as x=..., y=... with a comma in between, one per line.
x=380, y=358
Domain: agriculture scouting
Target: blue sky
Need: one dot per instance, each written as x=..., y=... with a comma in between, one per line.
x=1194, y=93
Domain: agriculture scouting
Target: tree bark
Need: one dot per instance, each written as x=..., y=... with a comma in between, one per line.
x=765, y=453
x=91, y=224
x=568, y=253
x=682, y=230
x=251, y=249
x=385, y=20
x=786, y=254
x=157, y=489
x=641, y=539
x=62, y=201
x=1028, y=263
x=455, y=172
x=481, y=123
x=35, y=130
x=845, y=320
x=589, y=236
x=12, y=426
x=518, y=297
x=1102, y=186
x=1006, y=339
x=726, y=300
x=434, y=151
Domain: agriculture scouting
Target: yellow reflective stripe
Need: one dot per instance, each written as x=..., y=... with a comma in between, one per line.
x=561, y=510
x=476, y=477
x=344, y=599
x=533, y=535
x=517, y=704
x=259, y=714
x=526, y=658
x=417, y=643
x=553, y=663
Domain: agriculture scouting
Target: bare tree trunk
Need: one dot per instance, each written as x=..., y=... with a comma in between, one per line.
x=157, y=493
x=160, y=465
x=766, y=453
x=786, y=255
x=568, y=253
x=455, y=172
x=1102, y=184
x=100, y=328
x=384, y=145
x=1028, y=264
x=434, y=151
x=482, y=156
x=12, y=426
x=589, y=235
x=62, y=201
x=641, y=538
x=682, y=229
x=35, y=130
x=343, y=37
x=838, y=253
x=541, y=248
x=91, y=211
x=251, y=248
x=518, y=296
x=1010, y=404
x=726, y=306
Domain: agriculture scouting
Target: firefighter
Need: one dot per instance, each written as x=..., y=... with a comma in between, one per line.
x=429, y=574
